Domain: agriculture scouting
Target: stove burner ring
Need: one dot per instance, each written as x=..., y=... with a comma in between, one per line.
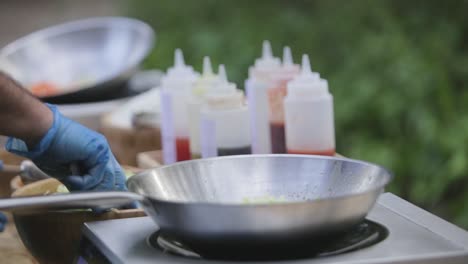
x=364, y=235
x=174, y=247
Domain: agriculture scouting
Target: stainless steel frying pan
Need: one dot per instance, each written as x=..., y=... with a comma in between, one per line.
x=203, y=202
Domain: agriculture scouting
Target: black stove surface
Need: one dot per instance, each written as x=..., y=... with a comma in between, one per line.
x=363, y=235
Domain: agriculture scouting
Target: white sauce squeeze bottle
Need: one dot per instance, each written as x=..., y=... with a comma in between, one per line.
x=175, y=88
x=309, y=119
x=207, y=81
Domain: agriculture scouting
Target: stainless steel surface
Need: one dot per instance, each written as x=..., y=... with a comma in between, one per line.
x=416, y=237
x=82, y=58
x=30, y=172
x=27, y=170
x=201, y=201
x=69, y=201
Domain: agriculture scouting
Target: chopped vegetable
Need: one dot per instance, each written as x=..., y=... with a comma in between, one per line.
x=128, y=173
x=62, y=189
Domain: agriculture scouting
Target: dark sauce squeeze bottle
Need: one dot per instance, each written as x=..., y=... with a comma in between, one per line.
x=256, y=88
x=276, y=93
x=225, y=107
x=309, y=114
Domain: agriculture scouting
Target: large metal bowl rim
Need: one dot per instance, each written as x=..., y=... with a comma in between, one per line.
x=261, y=204
x=72, y=26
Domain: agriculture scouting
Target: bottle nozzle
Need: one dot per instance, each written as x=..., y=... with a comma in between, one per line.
x=179, y=76
x=287, y=56
x=306, y=65
x=207, y=70
x=265, y=65
x=223, y=86
x=222, y=73
x=178, y=58
x=266, y=50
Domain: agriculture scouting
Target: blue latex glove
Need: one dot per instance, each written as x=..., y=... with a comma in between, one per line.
x=3, y=221
x=66, y=143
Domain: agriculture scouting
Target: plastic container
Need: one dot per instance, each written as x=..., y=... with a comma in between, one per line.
x=207, y=81
x=176, y=87
x=309, y=114
x=276, y=93
x=256, y=88
x=226, y=113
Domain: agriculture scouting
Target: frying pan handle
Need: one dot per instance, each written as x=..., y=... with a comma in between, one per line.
x=69, y=201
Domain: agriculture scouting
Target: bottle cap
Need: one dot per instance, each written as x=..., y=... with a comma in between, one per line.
x=222, y=75
x=179, y=76
x=225, y=95
x=222, y=85
x=287, y=57
x=265, y=64
x=208, y=79
x=307, y=82
x=207, y=70
x=288, y=69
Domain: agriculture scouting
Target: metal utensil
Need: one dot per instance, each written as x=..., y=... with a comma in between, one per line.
x=29, y=172
x=200, y=202
x=86, y=59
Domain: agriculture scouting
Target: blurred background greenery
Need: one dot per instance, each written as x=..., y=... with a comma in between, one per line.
x=398, y=71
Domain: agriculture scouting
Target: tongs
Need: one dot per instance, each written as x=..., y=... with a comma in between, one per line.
x=27, y=170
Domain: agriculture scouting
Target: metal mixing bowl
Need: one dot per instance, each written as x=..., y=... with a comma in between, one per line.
x=84, y=59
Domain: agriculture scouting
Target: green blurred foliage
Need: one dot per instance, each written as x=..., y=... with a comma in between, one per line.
x=398, y=71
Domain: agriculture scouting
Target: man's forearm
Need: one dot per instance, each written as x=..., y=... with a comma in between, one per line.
x=21, y=114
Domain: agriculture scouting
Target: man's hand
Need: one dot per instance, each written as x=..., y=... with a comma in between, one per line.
x=68, y=143
x=55, y=143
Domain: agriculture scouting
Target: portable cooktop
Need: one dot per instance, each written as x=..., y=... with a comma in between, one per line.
x=395, y=231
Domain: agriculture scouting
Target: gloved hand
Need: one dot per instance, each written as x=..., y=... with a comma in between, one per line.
x=3, y=221
x=67, y=143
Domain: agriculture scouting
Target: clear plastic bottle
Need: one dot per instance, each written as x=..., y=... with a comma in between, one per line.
x=175, y=90
x=309, y=116
x=225, y=107
x=256, y=89
x=207, y=81
x=276, y=93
